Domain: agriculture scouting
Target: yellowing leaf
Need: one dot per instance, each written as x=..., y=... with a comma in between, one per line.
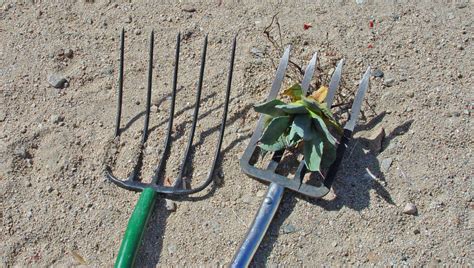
x=320, y=94
x=294, y=92
x=78, y=258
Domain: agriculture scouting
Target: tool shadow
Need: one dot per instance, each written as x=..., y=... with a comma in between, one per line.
x=152, y=243
x=352, y=187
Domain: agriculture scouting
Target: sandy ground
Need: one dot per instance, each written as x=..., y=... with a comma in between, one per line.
x=57, y=205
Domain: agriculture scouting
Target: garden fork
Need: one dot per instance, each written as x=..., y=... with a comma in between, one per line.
x=143, y=208
x=278, y=183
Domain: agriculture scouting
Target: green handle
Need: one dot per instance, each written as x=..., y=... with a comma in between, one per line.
x=136, y=225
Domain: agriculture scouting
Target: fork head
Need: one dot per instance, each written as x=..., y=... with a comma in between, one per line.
x=249, y=160
x=180, y=186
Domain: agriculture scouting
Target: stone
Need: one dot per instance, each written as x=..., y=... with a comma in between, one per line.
x=3, y=116
x=56, y=119
x=388, y=82
x=372, y=138
x=57, y=81
x=68, y=53
x=21, y=152
x=385, y=165
x=170, y=205
x=377, y=73
x=154, y=108
x=288, y=229
x=261, y=193
x=137, y=31
x=410, y=209
x=187, y=8
x=256, y=52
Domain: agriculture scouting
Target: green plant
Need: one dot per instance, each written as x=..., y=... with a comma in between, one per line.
x=304, y=123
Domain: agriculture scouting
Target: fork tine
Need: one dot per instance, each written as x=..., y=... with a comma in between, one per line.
x=182, y=171
x=334, y=83
x=167, y=143
x=309, y=74
x=148, y=95
x=120, y=85
x=280, y=74
x=174, y=190
x=223, y=122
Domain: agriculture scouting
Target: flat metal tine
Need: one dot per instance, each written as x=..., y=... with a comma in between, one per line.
x=120, y=84
x=334, y=83
x=167, y=143
x=359, y=98
x=280, y=74
x=179, y=179
x=148, y=94
x=308, y=74
x=276, y=85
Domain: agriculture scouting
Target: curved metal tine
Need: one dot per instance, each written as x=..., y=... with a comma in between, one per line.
x=136, y=169
x=170, y=190
x=120, y=85
x=161, y=165
x=179, y=180
x=308, y=74
x=334, y=83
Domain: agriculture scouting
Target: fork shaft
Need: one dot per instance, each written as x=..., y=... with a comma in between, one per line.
x=259, y=226
x=136, y=226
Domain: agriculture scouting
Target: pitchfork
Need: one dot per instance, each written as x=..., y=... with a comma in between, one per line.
x=278, y=183
x=143, y=208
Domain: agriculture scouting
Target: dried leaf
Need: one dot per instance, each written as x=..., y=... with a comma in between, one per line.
x=78, y=257
x=320, y=94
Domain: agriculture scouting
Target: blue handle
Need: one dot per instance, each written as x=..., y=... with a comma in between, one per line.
x=259, y=226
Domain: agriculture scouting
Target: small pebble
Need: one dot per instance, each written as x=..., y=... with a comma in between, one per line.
x=55, y=119
x=49, y=189
x=288, y=229
x=170, y=205
x=385, y=165
x=410, y=209
x=154, y=108
x=68, y=53
x=388, y=82
x=21, y=152
x=256, y=52
x=189, y=9
x=261, y=193
x=57, y=81
x=137, y=31
x=377, y=73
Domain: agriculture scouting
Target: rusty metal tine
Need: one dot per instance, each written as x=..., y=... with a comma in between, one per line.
x=120, y=85
x=167, y=142
x=182, y=171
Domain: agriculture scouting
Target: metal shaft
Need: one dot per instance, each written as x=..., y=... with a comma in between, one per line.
x=259, y=226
